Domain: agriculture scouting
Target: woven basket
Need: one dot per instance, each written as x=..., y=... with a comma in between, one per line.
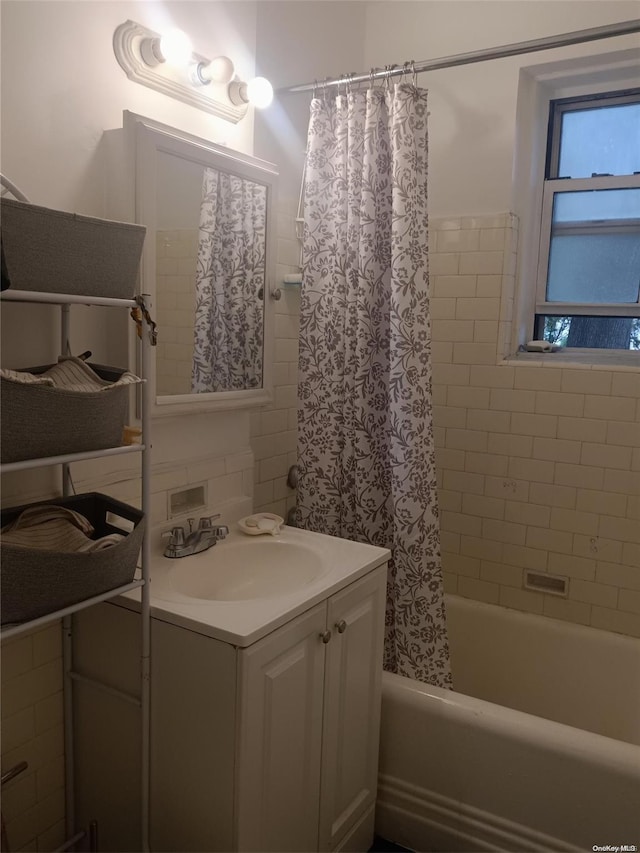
x=36, y=582
x=38, y=420
x=57, y=252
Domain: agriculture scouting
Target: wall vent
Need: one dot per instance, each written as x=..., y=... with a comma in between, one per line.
x=185, y=500
x=553, y=584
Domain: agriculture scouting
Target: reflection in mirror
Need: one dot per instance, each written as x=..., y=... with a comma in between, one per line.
x=210, y=276
x=208, y=265
x=230, y=279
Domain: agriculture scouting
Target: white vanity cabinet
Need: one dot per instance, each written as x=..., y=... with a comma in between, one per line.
x=271, y=747
x=309, y=717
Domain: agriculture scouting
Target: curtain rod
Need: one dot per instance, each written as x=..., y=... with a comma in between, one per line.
x=547, y=43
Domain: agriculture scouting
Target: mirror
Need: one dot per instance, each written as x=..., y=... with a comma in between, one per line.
x=207, y=267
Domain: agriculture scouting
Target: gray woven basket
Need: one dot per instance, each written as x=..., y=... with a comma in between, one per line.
x=38, y=420
x=57, y=252
x=36, y=582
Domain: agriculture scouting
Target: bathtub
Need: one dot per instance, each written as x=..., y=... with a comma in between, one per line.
x=544, y=756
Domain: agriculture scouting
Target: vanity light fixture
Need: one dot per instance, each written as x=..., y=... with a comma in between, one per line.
x=167, y=63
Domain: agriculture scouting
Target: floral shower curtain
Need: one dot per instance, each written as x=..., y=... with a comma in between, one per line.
x=230, y=278
x=365, y=446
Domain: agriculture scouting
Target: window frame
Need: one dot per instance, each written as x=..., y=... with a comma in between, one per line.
x=554, y=185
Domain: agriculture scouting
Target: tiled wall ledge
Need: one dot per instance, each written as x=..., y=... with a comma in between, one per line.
x=588, y=359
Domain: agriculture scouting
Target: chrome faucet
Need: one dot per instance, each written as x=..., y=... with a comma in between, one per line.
x=203, y=537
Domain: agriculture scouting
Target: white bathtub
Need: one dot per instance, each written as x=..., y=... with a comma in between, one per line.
x=465, y=774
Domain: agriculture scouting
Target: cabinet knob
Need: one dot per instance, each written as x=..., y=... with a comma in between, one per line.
x=341, y=626
x=325, y=636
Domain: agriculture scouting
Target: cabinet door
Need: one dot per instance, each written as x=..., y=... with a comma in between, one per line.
x=278, y=769
x=353, y=673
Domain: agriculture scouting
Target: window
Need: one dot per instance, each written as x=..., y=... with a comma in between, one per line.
x=588, y=284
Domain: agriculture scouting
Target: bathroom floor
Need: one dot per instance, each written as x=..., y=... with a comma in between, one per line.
x=381, y=845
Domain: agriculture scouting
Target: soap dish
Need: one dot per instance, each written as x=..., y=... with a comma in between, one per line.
x=261, y=522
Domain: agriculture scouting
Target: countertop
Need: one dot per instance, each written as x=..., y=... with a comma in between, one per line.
x=243, y=622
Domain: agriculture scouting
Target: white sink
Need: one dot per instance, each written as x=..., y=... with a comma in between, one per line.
x=241, y=569
x=246, y=586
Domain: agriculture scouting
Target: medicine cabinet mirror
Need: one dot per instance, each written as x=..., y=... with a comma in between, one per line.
x=208, y=266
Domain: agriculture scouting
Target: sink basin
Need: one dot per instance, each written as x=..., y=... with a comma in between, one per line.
x=241, y=569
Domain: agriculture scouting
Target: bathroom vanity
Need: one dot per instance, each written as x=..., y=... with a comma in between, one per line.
x=265, y=711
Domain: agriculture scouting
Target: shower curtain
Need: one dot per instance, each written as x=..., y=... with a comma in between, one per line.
x=365, y=431
x=230, y=278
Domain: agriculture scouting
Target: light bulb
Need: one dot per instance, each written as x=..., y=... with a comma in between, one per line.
x=259, y=92
x=175, y=47
x=219, y=70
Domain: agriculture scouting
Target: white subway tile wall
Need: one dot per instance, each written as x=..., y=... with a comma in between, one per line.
x=538, y=463
x=33, y=731
x=176, y=254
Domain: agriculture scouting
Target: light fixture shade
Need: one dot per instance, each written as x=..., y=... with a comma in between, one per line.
x=150, y=52
x=219, y=70
x=257, y=92
x=176, y=47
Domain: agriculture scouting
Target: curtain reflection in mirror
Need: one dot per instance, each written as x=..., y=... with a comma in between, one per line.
x=230, y=284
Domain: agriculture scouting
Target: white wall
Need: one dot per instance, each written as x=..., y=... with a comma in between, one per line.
x=473, y=107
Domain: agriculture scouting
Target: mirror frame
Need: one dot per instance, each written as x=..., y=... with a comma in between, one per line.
x=147, y=139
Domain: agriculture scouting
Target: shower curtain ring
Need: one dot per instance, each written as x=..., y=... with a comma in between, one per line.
x=350, y=77
x=390, y=69
x=414, y=72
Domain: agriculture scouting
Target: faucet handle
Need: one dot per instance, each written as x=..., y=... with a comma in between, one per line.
x=175, y=536
x=206, y=522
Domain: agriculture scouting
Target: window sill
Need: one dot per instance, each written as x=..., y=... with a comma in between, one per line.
x=587, y=359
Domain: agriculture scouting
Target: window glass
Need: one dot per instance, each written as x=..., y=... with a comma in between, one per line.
x=594, y=253
x=591, y=332
x=594, y=268
x=593, y=206
x=601, y=140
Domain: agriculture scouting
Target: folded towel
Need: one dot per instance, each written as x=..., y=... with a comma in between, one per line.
x=55, y=528
x=69, y=374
